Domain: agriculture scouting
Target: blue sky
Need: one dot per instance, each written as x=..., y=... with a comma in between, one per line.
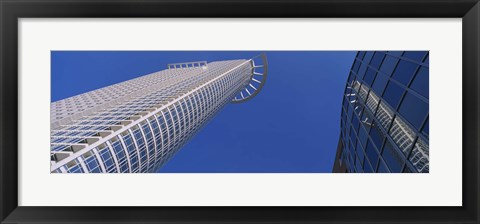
x=292, y=126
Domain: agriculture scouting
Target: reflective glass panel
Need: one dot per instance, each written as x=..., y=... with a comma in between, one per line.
x=392, y=158
x=384, y=115
x=369, y=76
x=392, y=94
x=415, y=55
x=371, y=153
x=379, y=84
x=420, y=83
x=377, y=136
x=358, y=166
x=382, y=168
x=402, y=135
x=388, y=65
x=368, y=57
x=396, y=53
x=404, y=72
x=414, y=110
x=420, y=156
x=361, y=71
x=361, y=54
x=356, y=66
x=377, y=59
x=362, y=136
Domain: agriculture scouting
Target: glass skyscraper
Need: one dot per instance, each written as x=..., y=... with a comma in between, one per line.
x=384, y=114
x=137, y=125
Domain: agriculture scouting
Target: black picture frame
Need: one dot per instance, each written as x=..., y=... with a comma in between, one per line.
x=12, y=10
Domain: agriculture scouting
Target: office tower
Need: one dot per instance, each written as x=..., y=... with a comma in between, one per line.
x=137, y=125
x=384, y=114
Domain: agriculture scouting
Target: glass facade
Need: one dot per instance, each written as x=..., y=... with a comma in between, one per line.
x=384, y=114
x=138, y=125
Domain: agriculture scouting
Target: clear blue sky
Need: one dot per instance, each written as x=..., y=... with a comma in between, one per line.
x=292, y=126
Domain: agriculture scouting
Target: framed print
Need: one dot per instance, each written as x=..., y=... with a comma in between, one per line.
x=248, y=112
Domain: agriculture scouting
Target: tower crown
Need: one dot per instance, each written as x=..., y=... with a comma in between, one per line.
x=257, y=79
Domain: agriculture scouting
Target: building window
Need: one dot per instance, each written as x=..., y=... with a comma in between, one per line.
x=392, y=158
x=377, y=59
x=377, y=136
x=362, y=136
x=91, y=162
x=370, y=76
x=420, y=156
x=358, y=166
x=361, y=71
x=371, y=153
x=384, y=115
x=402, y=135
x=404, y=72
x=415, y=55
x=74, y=167
x=388, y=65
x=382, y=168
x=367, y=167
x=356, y=66
x=361, y=54
x=396, y=53
x=121, y=156
x=108, y=160
x=360, y=153
x=379, y=84
x=414, y=110
x=420, y=83
x=393, y=93
x=368, y=57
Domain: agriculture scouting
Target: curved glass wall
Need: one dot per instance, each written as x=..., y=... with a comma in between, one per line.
x=384, y=118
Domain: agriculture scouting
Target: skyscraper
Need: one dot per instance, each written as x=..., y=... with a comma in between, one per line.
x=138, y=125
x=385, y=114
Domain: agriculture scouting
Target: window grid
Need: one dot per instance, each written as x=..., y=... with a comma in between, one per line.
x=401, y=136
x=155, y=138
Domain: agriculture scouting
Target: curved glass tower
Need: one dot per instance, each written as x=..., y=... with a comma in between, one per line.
x=138, y=125
x=384, y=119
